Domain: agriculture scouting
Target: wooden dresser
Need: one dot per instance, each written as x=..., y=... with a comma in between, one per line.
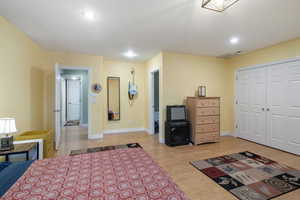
x=204, y=115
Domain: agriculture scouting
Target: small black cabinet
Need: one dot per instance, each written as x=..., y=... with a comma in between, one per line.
x=177, y=133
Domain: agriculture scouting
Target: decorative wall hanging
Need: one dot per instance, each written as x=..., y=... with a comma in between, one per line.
x=96, y=88
x=132, y=87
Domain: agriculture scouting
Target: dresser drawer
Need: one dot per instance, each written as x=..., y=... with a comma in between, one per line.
x=207, y=137
x=202, y=103
x=205, y=128
x=208, y=120
x=208, y=111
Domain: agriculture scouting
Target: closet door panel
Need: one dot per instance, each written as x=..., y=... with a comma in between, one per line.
x=258, y=105
x=277, y=122
x=243, y=91
x=293, y=107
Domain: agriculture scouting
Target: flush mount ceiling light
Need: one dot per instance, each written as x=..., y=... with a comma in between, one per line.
x=234, y=40
x=218, y=5
x=88, y=15
x=130, y=54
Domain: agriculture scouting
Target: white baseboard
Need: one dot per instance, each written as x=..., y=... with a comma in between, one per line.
x=149, y=131
x=162, y=140
x=84, y=125
x=226, y=133
x=96, y=136
x=124, y=130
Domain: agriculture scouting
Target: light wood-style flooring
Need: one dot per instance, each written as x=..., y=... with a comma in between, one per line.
x=175, y=160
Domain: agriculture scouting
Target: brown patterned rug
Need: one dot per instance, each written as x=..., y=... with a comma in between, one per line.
x=105, y=148
x=249, y=176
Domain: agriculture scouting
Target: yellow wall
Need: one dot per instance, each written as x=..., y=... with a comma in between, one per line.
x=95, y=64
x=183, y=74
x=132, y=116
x=27, y=81
x=281, y=51
x=21, y=78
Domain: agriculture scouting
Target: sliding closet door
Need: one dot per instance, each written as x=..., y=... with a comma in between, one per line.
x=243, y=104
x=258, y=101
x=284, y=106
x=293, y=107
x=251, y=99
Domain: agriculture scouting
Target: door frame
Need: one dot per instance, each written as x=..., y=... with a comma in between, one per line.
x=151, y=104
x=58, y=68
x=236, y=81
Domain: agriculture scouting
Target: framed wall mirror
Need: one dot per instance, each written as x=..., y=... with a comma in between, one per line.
x=113, y=99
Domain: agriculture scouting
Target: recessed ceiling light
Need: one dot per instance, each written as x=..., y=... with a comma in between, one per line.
x=88, y=14
x=234, y=40
x=130, y=54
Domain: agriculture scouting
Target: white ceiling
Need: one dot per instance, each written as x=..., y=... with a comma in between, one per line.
x=149, y=26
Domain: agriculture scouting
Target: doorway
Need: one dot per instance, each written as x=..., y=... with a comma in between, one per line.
x=155, y=121
x=73, y=93
x=72, y=105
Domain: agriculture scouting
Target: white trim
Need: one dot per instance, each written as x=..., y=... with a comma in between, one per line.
x=96, y=136
x=270, y=63
x=235, y=109
x=125, y=130
x=41, y=145
x=226, y=133
x=149, y=131
x=151, y=100
x=162, y=140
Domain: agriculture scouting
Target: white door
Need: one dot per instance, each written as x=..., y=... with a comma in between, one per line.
x=258, y=101
x=284, y=107
x=57, y=109
x=251, y=103
x=73, y=99
x=243, y=104
x=293, y=107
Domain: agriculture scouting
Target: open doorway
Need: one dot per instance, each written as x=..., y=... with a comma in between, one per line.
x=72, y=105
x=74, y=97
x=154, y=122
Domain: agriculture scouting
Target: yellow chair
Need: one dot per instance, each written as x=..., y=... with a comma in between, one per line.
x=47, y=137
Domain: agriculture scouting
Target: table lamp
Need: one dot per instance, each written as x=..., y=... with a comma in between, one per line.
x=7, y=128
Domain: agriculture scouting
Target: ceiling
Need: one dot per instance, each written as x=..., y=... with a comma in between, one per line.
x=150, y=26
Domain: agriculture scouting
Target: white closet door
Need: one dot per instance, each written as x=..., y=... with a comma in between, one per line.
x=251, y=90
x=293, y=108
x=284, y=107
x=243, y=104
x=258, y=101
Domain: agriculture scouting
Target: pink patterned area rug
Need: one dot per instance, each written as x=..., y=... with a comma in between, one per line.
x=108, y=175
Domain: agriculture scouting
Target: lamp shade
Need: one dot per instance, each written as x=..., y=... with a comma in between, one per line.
x=7, y=126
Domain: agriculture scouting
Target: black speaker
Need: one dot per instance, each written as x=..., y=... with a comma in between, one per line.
x=177, y=133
